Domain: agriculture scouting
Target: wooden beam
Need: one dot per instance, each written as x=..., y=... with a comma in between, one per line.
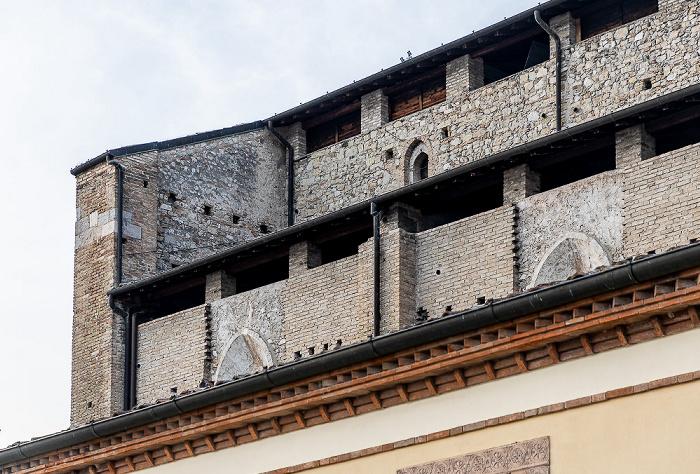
x=276, y=425
x=349, y=406
x=111, y=468
x=620, y=331
x=459, y=377
x=168, y=453
x=430, y=383
x=332, y=115
x=188, y=447
x=525, y=35
x=553, y=353
x=149, y=459
x=658, y=329
x=401, y=389
x=521, y=362
x=210, y=443
x=693, y=314
x=586, y=343
x=375, y=399
x=231, y=436
x=129, y=463
x=416, y=80
x=253, y=431
x=324, y=413
x=488, y=368
x=300, y=419
x=92, y=469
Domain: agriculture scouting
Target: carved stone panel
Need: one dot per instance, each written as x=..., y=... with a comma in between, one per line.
x=525, y=457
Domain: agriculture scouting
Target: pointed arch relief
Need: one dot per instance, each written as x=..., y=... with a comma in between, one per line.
x=246, y=353
x=417, y=161
x=573, y=253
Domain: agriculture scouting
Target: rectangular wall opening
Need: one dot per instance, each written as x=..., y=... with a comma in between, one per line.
x=343, y=246
x=262, y=274
x=333, y=127
x=500, y=62
x=678, y=136
x=605, y=15
x=575, y=164
x=415, y=94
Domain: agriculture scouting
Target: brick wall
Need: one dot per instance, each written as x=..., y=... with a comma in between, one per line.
x=173, y=352
x=464, y=260
x=321, y=306
x=661, y=206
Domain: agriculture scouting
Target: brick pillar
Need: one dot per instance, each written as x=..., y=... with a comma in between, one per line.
x=464, y=74
x=219, y=285
x=303, y=256
x=519, y=182
x=633, y=145
x=374, y=110
x=98, y=334
x=565, y=26
x=397, y=268
x=296, y=136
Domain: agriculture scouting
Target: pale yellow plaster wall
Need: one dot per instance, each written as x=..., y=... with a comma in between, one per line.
x=639, y=363
x=651, y=432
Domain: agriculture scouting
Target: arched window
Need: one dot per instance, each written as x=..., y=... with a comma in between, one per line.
x=418, y=163
x=421, y=166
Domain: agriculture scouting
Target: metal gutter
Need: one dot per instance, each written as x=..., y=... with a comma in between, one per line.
x=557, y=53
x=649, y=268
x=427, y=183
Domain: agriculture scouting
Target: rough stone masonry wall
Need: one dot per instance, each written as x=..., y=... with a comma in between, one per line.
x=173, y=353
x=592, y=206
x=603, y=74
x=607, y=72
x=242, y=178
x=464, y=260
x=661, y=207
x=140, y=215
x=321, y=306
x=374, y=163
x=97, y=354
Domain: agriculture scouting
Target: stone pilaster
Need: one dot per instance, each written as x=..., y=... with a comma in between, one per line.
x=519, y=182
x=296, y=136
x=633, y=145
x=219, y=285
x=565, y=26
x=374, y=110
x=464, y=74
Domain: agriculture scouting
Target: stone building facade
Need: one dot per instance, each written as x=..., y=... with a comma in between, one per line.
x=512, y=203
x=400, y=249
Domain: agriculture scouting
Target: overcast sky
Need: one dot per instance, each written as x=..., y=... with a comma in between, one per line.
x=80, y=77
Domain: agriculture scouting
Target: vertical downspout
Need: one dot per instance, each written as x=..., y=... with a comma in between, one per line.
x=290, y=174
x=132, y=360
x=120, y=213
x=557, y=49
x=377, y=214
x=129, y=366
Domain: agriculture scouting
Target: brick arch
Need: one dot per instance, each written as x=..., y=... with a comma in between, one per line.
x=246, y=353
x=573, y=253
x=415, y=150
